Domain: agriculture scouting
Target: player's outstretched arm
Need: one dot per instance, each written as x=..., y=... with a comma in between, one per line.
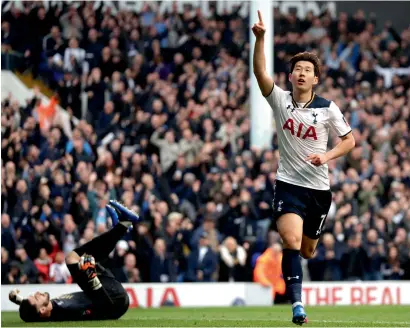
x=265, y=81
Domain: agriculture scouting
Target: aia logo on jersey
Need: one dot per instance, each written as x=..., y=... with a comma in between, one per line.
x=302, y=131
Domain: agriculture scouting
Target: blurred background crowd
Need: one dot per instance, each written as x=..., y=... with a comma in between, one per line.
x=159, y=113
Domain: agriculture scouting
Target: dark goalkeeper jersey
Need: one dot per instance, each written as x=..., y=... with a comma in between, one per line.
x=78, y=306
x=74, y=306
x=89, y=304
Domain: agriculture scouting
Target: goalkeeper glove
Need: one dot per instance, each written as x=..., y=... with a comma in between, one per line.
x=88, y=267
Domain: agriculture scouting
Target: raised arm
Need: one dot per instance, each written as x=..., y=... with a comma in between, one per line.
x=156, y=140
x=265, y=81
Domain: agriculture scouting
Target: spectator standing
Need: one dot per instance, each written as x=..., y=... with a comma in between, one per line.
x=355, y=260
x=326, y=265
x=29, y=272
x=268, y=271
x=202, y=262
x=162, y=267
x=59, y=272
x=42, y=264
x=232, y=261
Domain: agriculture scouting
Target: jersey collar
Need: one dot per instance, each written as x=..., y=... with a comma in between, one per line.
x=307, y=104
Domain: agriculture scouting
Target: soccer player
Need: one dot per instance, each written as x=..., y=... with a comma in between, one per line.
x=102, y=297
x=302, y=195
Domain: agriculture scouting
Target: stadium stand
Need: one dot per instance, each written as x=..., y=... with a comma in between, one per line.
x=164, y=126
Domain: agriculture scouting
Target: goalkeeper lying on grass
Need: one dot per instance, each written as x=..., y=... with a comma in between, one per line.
x=102, y=297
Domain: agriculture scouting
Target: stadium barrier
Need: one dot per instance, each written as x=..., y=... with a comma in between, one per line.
x=235, y=294
x=156, y=295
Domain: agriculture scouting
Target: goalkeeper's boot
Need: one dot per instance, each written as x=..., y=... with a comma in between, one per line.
x=125, y=215
x=113, y=213
x=299, y=315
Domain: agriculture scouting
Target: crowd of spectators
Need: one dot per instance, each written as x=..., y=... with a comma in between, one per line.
x=166, y=131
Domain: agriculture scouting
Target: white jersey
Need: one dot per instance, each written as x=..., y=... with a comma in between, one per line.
x=302, y=132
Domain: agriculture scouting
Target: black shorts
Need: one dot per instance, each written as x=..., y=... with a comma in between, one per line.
x=310, y=204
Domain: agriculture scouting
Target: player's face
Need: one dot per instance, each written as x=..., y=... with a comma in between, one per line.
x=303, y=76
x=40, y=300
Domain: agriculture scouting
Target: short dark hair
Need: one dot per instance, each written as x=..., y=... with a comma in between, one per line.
x=306, y=56
x=28, y=312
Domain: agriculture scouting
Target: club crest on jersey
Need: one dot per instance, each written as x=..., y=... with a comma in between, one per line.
x=315, y=117
x=302, y=131
x=280, y=206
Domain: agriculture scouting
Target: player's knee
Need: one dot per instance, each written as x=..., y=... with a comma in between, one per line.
x=72, y=258
x=291, y=241
x=307, y=252
x=290, y=227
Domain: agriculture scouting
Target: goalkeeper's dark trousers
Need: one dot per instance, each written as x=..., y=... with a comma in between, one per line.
x=100, y=247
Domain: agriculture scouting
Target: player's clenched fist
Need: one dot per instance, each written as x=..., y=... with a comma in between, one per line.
x=317, y=159
x=259, y=28
x=15, y=297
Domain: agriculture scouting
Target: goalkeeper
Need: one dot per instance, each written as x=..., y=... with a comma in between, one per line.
x=102, y=297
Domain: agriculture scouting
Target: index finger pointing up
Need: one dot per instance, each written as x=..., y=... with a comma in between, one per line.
x=260, y=16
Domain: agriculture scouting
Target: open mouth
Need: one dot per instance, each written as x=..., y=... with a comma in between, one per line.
x=301, y=81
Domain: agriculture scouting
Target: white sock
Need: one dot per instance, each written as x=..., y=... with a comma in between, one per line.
x=126, y=224
x=296, y=304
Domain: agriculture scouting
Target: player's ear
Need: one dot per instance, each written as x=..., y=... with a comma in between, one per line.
x=44, y=312
x=315, y=80
x=290, y=77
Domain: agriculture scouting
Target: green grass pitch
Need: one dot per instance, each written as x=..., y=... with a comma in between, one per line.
x=276, y=316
